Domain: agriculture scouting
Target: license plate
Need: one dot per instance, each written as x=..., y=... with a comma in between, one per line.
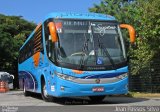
x=98, y=89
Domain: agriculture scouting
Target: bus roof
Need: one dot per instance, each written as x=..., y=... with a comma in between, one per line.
x=72, y=15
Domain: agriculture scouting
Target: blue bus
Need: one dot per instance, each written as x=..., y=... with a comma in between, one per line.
x=75, y=54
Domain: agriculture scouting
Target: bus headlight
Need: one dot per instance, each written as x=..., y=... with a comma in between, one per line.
x=65, y=77
x=122, y=76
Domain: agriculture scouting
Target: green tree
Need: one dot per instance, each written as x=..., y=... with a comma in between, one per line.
x=115, y=8
x=144, y=16
x=13, y=32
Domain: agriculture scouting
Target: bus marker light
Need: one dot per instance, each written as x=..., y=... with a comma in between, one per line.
x=62, y=88
x=53, y=88
x=77, y=71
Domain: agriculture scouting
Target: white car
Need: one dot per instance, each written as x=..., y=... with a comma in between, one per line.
x=4, y=76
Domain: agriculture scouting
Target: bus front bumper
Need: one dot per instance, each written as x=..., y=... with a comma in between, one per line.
x=65, y=88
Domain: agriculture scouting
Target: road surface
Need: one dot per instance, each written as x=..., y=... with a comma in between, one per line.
x=15, y=101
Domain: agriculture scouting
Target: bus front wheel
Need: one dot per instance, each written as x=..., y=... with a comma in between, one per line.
x=44, y=93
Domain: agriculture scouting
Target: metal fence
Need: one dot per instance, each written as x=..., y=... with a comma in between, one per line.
x=147, y=80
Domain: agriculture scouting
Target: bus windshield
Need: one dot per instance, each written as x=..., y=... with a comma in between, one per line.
x=89, y=43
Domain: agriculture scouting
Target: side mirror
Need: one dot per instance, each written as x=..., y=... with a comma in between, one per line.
x=53, y=32
x=131, y=32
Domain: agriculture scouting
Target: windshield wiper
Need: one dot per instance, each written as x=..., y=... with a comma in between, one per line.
x=85, y=48
x=101, y=46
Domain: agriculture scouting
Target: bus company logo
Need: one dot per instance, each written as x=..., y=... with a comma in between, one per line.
x=97, y=81
x=103, y=29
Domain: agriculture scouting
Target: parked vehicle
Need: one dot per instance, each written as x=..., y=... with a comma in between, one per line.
x=6, y=77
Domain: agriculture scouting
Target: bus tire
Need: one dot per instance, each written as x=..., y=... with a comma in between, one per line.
x=44, y=95
x=25, y=92
x=97, y=98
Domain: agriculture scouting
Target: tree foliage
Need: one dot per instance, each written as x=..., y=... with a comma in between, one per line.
x=13, y=32
x=144, y=16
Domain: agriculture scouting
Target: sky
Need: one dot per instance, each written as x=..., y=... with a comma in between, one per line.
x=36, y=10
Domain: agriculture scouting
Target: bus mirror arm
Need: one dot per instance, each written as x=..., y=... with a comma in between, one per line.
x=131, y=32
x=53, y=32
